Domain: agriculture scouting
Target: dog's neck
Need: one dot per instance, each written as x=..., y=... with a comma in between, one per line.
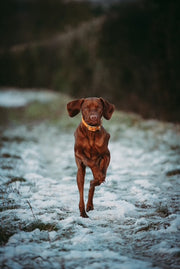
x=91, y=128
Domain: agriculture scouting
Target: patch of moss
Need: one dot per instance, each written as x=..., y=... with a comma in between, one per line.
x=8, y=207
x=5, y=234
x=15, y=179
x=41, y=226
x=173, y=172
x=34, y=112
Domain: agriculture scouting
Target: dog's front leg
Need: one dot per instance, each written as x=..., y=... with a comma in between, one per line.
x=93, y=183
x=99, y=173
x=80, y=183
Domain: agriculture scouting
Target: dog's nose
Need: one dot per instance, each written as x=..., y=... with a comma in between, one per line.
x=93, y=117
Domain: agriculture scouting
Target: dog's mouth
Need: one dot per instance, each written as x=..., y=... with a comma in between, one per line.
x=93, y=120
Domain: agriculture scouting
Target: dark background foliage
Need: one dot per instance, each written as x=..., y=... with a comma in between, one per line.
x=127, y=53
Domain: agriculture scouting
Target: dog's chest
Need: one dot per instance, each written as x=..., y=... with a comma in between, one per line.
x=96, y=142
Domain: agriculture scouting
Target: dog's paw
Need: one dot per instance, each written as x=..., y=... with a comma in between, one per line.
x=89, y=208
x=83, y=214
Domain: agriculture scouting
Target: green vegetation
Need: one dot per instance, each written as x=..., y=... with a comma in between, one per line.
x=39, y=20
x=129, y=53
x=139, y=46
x=41, y=226
x=5, y=234
x=34, y=112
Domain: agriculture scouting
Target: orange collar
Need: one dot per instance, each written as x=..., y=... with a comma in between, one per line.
x=91, y=128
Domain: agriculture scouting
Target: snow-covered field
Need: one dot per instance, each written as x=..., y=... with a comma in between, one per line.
x=136, y=220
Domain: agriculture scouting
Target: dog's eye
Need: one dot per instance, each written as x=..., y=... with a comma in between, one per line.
x=99, y=109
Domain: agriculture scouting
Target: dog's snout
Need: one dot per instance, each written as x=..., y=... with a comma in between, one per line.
x=93, y=117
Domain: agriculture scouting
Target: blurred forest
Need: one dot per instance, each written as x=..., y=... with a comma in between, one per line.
x=127, y=52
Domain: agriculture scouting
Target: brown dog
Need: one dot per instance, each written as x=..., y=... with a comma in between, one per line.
x=91, y=144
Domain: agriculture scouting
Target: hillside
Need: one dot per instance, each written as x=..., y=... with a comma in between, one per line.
x=127, y=52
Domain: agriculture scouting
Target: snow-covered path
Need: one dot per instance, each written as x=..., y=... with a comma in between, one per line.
x=136, y=220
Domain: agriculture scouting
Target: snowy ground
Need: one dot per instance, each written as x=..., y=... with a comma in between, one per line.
x=136, y=221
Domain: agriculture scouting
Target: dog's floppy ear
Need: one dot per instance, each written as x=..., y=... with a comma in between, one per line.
x=74, y=107
x=108, y=109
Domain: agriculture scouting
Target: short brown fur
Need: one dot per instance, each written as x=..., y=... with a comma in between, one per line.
x=91, y=147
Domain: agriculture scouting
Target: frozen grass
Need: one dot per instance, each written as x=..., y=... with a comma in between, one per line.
x=136, y=220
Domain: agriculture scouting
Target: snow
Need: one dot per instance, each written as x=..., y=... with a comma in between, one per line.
x=135, y=223
x=16, y=98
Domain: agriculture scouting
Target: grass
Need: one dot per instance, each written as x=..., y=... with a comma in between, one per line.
x=35, y=112
x=41, y=226
x=54, y=112
x=5, y=234
x=15, y=179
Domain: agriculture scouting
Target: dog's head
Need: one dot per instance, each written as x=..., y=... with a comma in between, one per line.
x=92, y=109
